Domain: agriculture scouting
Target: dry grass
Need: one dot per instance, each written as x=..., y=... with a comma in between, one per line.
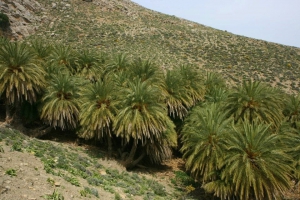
x=123, y=26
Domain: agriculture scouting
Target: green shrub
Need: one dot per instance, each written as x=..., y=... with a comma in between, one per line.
x=4, y=20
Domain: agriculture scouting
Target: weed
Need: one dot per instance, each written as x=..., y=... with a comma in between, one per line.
x=117, y=196
x=72, y=180
x=88, y=191
x=51, y=181
x=17, y=146
x=11, y=172
x=54, y=196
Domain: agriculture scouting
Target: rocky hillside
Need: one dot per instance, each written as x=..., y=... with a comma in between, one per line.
x=24, y=15
x=123, y=26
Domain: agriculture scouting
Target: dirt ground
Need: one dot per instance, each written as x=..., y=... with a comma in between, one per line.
x=30, y=181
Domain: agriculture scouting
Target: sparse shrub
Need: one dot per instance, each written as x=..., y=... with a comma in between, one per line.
x=88, y=191
x=11, y=172
x=51, y=181
x=54, y=196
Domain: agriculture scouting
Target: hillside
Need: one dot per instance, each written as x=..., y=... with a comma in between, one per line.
x=61, y=164
x=123, y=26
x=42, y=169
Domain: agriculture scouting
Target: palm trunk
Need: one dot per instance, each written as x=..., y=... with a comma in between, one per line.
x=16, y=119
x=8, y=116
x=130, y=162
x=109, y=145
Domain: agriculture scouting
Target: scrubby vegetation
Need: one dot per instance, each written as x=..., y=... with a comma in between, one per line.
x=237, y=142
x=146, y=85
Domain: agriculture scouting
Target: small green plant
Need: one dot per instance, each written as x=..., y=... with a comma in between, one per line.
x=11, y=172
x=17, y=146
x=1, y=149
x=54, y=196
x=51, y=181
x=117, y=196
x=87, y=191
x=72, y=180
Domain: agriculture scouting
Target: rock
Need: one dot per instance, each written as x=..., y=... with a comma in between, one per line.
x=57, y=184
x=54, y=5
x=3, y=189
x=51, y=25
x=20, y=7
x=68, y=5
x=22, y=16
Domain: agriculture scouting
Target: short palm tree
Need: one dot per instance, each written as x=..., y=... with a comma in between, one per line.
x=177, y=97
x=41, y=48
x=256, y=162
x=255, y=100
x=21, y=75
x=61, y=102
x=203, y=140
x=145, y=70
x=63, y=55
x=90, y=65
x=213, y=81
x=119, y=62
x=193, y=82
x=98, y=110
x=292, y=110
x=142, y=118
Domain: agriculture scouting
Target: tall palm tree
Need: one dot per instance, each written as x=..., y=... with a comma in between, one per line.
x=98, y=110
x=142, y=118
x=61, y=102
x=254, y=100
x=21, y=75
x=203, y=137
x=256, y=162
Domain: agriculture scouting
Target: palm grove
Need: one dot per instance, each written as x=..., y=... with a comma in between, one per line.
x=240, y=142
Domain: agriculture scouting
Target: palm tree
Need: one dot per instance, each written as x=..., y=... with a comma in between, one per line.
x=193, y=82
x=63, y=55
x=213, y=81
x=256, y=162
x=120, y=62
x=176, y=96
x=255, y=100
x=61, y=102
x=98, y=110
x=203, y=135
x=292, y=110
x=41, y=48
x=145, y=70
x=21, y=76
x=90, y=64
x=142, y=119
x=183, y=88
